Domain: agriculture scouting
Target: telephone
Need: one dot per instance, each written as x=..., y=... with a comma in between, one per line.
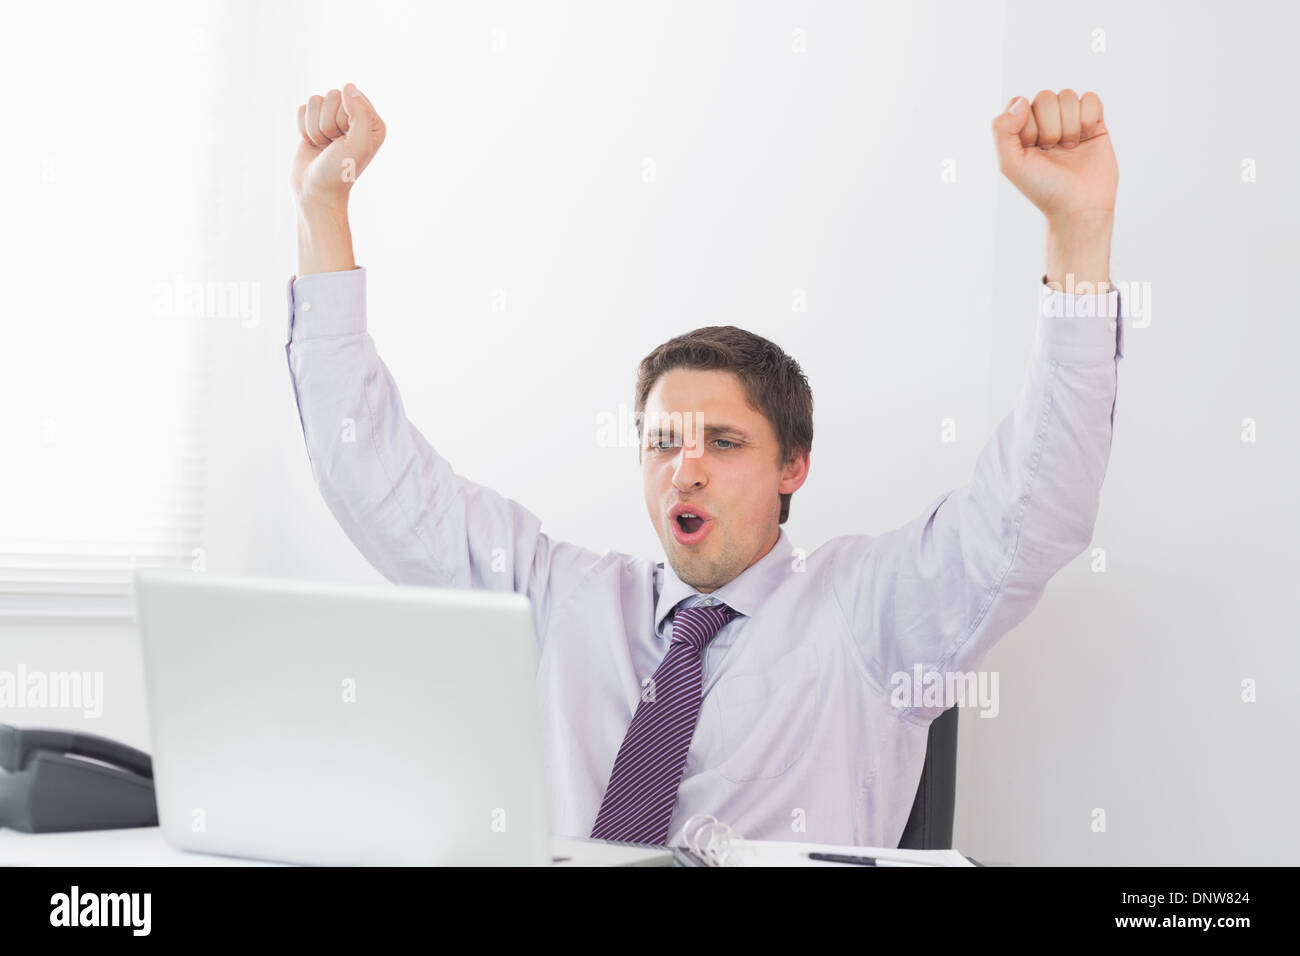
x=56, y=780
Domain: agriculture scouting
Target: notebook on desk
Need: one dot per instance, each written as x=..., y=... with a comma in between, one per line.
x=587, y=851
x=708, y=841
x=787, y=853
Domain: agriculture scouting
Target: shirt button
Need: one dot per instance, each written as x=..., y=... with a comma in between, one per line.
x=1112, y=325
x=306, y=307
x=707, y=602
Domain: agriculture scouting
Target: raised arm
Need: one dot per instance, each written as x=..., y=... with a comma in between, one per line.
x=939, y=591
x=397, y=499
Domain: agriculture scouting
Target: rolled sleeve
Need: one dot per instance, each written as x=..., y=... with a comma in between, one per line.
x=326, y=304
x=1079, y=329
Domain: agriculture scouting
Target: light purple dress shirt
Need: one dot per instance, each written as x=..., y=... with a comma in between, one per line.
x=797, y=736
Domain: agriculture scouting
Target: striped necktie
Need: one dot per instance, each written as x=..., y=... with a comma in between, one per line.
x=638, y=802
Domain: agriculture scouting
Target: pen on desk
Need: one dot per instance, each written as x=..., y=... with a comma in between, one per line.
x=863, y=860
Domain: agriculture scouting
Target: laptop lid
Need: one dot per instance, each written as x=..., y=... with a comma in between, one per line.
x=333, y=724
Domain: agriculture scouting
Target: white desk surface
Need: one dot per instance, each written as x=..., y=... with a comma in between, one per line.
x=145, y=846
x=133, y=846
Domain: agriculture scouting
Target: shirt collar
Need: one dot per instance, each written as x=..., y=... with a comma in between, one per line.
x=743, y=593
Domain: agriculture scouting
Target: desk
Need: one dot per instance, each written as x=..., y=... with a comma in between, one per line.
x=134, y=846
x=145, y=846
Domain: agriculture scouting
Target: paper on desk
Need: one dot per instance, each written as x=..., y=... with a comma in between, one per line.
x=784, y=853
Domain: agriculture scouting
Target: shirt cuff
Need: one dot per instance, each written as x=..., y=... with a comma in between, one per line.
x=326, y=304
x=1080, y=328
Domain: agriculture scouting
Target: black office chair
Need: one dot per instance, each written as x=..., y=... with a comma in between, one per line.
x=930, y=825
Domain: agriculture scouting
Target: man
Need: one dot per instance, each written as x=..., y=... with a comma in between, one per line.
x=744, y=679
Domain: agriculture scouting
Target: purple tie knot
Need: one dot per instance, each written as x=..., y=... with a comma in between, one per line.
x=698, y=625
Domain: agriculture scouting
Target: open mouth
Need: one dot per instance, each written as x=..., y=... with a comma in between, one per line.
x=689, y=523
x=690, y=528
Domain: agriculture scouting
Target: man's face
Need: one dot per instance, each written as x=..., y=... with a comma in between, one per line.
x=706, y=450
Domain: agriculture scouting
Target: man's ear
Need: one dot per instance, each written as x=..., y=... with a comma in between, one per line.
x=795, y=472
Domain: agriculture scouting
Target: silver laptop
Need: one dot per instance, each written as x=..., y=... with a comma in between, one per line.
x=339, y=724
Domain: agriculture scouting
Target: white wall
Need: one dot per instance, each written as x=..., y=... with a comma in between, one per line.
x=522, y=170
x=1123, y=691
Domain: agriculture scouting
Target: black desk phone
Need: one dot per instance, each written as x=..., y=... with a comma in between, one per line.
x=57, y=780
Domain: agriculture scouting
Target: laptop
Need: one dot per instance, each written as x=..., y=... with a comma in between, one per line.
x=328, y=724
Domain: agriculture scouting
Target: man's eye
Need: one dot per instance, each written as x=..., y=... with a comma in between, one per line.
x=657, y=444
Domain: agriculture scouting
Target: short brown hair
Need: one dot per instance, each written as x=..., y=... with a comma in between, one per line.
x=774, y=383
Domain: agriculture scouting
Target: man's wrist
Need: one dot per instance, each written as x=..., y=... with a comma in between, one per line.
x=322, y=215
x=324, y=238
x=1078, y=252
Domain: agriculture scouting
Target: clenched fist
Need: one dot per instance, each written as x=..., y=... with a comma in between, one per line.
x=1058, y=154
x=340, y=133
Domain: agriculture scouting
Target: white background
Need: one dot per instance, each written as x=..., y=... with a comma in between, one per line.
x=518, y=135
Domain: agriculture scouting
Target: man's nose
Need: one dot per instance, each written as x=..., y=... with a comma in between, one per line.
x=689, y=471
